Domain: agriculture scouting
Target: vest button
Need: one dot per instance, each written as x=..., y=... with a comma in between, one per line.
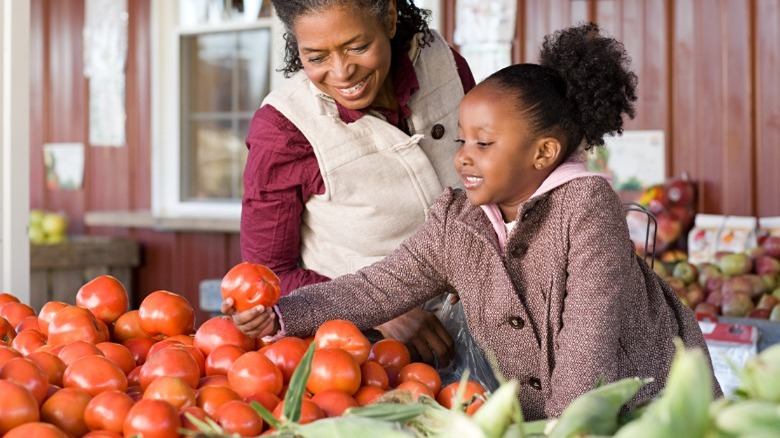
x=535, y=383
x=437, y=131
x=516, y=322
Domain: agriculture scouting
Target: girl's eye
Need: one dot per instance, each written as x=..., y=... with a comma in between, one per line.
x=483, y=144
x=459, y=141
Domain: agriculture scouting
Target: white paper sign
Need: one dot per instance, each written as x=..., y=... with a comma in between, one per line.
x=636, y=159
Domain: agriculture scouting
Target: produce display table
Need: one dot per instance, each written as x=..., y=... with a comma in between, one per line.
x=768, y=331
x=58, y=270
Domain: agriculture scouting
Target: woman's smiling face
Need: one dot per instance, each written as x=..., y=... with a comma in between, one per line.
x=346, y=52
x=498, y=152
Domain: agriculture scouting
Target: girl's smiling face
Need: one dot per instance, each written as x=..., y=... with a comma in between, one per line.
x=498, y=155
x=346, y=53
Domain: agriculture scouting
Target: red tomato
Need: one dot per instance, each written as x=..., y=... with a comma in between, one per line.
x=104, y=296
x=210, y=398
x=7, y=332
x=253, y=372
x=221, y=359
x=333, y=368
x=447, y=394
x=236, y=416
x=119, y=354
x=28, y=374
x=340, y=333
x=267, y=399
x=94, y=374
x=422, y=373
x=17, y=406
x=286, y=354
x=173, y=361
x=173, y=390
x=8, y=353
x=29, y=323
x=390, y=352
x=196, y=412
x=334, y=402
x=47, y=312
x=76, y=350
x=152, y=419
x=214, y=380
x=373, y=374
x=416, y=388
x=15, y=312
x=65, y=409
x=73, y=323
x=218, y=331
x=367, y=394
x=310, y=411
x=36, y=429
x=28, y=341
x=108, y=410
x=166, y=313
x=139, y=348
x=52, y=366
x=128, y=326
x=8, y=298
x=250, y=285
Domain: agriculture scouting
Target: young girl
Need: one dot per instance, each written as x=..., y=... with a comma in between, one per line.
x=536, y=247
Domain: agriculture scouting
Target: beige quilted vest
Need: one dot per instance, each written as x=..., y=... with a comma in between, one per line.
x=379, y=181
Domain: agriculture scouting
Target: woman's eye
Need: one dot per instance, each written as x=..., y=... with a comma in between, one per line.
x=317, y=60
x=360, y=49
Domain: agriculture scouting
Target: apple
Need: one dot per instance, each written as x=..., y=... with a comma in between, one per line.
x=681, y=192
x=677, y=285
x=36, y=216
x=714, y=283
x=774, y=315
x=758, y=285
x=660, y=270
x=715, y=298
x=767, y=265
x=776, y=293
x=771, y=246
x=707, y=270
x=37, y=236
x=672, y=256
x=767, y=301
x=759, y=313
x=668, y=229
x=706, y=309
x=737, y=304
x=694, y=294
x=770, y=281
x=737, y=285
x=735, y=264
x=755, y=252
x=686, y=271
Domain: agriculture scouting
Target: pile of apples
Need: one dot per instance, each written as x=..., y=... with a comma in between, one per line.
x=98, y=369
x=47, y=227
x=745, y=284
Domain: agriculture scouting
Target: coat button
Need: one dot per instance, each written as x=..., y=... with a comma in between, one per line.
x=437, y=131
x=518, y=251
x=516, y=322
x=535, y=383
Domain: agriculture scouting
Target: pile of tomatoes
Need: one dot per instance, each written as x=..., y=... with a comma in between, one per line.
x=96, y=369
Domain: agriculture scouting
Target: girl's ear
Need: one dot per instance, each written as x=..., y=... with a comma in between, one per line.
x=392, y=19
x=548, y=151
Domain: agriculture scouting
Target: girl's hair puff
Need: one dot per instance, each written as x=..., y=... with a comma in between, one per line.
x=579, y=91
x=411, y=20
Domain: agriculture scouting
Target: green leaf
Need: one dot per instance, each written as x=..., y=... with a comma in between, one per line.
x=294, y=396
x=265, y=414
x=387, y=411
x=353, y=426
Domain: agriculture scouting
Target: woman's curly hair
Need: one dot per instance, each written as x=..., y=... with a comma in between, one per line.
x=411, y=20
x=580, y=89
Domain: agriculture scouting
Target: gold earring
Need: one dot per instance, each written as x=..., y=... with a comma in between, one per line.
x=538, y=165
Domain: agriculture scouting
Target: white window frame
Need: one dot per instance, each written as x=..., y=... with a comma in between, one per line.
x=166, y=117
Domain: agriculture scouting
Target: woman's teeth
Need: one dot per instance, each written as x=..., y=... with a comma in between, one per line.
x=353, y=89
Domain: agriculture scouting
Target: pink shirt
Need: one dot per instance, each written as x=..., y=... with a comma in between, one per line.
x=282, y=172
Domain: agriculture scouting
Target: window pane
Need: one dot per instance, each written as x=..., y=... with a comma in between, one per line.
x=224, y=77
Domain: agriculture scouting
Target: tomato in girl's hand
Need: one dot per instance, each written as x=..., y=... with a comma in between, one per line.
x=250, y=285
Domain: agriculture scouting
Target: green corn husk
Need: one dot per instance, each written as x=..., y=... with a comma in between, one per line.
x=760, y=377
x=749, y=417
x=499, y=411
x=596, y=411
x=353, y=426
x=683, y=407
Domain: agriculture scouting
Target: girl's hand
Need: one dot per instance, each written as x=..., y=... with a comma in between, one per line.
x=256, y=322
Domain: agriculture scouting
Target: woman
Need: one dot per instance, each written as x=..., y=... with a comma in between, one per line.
x=346, y=159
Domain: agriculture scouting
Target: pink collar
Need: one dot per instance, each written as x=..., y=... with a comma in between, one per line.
x=570, y=170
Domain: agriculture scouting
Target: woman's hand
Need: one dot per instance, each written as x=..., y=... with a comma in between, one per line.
x=425, y=336
x=256, y=322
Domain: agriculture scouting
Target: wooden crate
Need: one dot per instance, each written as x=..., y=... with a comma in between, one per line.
x=57, y=271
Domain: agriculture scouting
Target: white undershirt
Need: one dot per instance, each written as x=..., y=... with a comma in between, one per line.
x=509, y=226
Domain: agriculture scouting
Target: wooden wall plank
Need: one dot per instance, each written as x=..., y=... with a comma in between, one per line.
x=38, y=98
x=767, y=60
x=139, y=86
x=542, y=17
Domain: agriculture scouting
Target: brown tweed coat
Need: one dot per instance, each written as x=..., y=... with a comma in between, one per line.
x=569, y=302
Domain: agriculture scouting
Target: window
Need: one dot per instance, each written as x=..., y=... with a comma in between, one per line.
x=210, y=75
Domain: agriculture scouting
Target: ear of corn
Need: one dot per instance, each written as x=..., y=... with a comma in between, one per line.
x=683, y=407
x=760, y=377
x=596, y=411
x=353, y=426
x=748, y=417
x=501, y=409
